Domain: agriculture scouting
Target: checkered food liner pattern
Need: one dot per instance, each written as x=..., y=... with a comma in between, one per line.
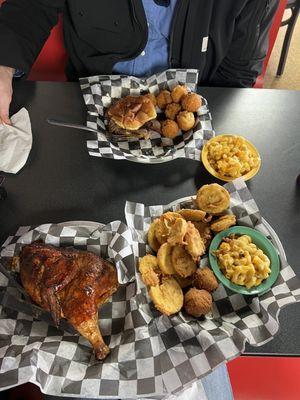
x=99, y=92
x=151, y=355
x=191, y=348
x=60, y=361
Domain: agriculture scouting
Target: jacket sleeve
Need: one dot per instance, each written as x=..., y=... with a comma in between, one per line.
x=245, y=57
x=24, y=28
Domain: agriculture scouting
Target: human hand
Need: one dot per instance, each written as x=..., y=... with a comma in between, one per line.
x=6, y=76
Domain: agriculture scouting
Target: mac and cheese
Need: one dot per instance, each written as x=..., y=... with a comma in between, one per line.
x=242, y=262
x=231, y=156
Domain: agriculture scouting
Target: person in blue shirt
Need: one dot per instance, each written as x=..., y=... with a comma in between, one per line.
x=225, y=40
x=154, y=57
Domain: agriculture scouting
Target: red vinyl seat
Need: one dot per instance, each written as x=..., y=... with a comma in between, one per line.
x=51, y=62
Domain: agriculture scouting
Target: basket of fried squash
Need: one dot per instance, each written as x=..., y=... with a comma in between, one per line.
x=178, y=240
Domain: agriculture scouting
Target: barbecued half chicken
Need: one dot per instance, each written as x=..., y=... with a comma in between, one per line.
x=71, y=284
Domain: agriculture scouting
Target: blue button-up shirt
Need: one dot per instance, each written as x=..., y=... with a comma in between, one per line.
x=154, y=57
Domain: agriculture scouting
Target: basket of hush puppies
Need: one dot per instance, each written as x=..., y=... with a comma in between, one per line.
x=178, y=240
x=152, y=120
x=167, y=113
x=179, y=107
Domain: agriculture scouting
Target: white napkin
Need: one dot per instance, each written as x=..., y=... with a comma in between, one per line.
x=15, y=142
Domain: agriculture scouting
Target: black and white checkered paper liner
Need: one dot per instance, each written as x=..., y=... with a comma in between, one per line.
x=191, y=348
x=61, y=362
x=100, y=91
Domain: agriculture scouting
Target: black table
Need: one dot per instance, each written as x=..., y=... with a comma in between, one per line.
x=61, y=182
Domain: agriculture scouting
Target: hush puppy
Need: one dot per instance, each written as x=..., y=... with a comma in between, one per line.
x=178, y=92
x=169, y=128
x=204, y=278
x=197, y=302
x=163, y=99
x=185, y=120
x=191, y=102
x=172, y=110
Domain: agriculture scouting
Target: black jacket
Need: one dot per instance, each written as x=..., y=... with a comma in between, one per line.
x=99, y=33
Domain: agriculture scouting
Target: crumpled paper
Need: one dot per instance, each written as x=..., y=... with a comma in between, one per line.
x=15, y=142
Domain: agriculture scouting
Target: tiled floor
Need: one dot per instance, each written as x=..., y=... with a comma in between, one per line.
x=291, y=76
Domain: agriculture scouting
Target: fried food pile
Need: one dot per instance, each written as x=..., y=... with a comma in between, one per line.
x=179, y=107
x=179, y=239
x=231, y=156
x=71, y=284
x=137, y=115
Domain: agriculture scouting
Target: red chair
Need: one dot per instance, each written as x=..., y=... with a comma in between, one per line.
x=51, y=62
x=272, y=38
